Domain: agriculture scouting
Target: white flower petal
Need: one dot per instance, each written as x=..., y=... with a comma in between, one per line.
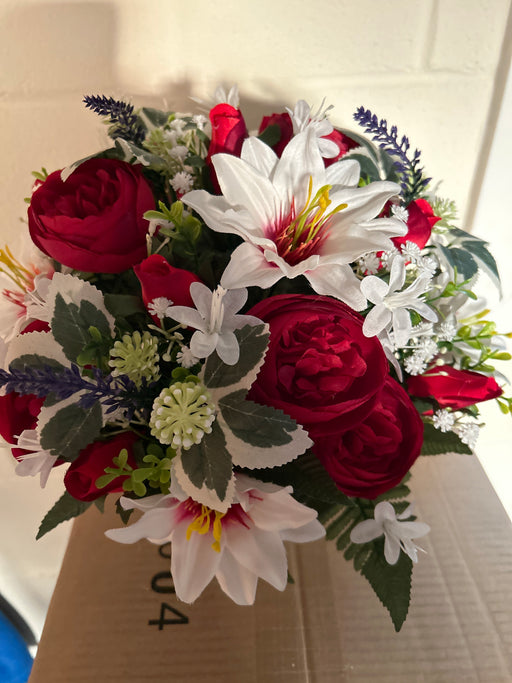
x=227, y=348
x=156, y=524
x=344, y=172
x=248, y=267
x=243, y=185
x=391, y=549
x=366, y=531
x=374, y=289
x=193, y=562
x=304, y=534
x=338, y=281
x=376, y=321
x=235, y=580
x=203, y=345
x=187, y=316
x=259, y=155
x=262, y=552
x=280, y=511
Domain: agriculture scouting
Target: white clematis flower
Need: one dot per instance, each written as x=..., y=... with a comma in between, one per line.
x=398, y=535
x=296, y=217
x=38, y=461
x=215, y=318
x=392, y=304
x=236, y=547
x=302, y=118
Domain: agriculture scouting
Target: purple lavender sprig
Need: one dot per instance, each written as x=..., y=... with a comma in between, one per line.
x=61, y=383
x=413, y=180
x=124, y=122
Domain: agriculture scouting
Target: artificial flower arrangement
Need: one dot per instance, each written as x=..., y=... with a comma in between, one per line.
x=250, y=338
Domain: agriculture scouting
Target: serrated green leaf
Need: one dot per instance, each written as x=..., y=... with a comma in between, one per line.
x=71, y=429
x=258, y=425
x=436, y=442
x=100, y=503
x=466, y=236
x=65, y=508
x=486, y=260
x=70, y=325
x=391, y=582
x=209, y=463
x=462, y=260
x=335, y=528
x=253, y=342
x=310, y=481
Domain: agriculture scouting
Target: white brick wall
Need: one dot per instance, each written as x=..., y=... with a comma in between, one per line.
x=426, y=65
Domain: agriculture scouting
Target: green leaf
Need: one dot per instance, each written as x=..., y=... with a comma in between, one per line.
x=70, y=325
x=462, y=260
x=123, y=305
x=391, y=582
x=258, y=425
x=129, y=151
x=253, y=342
x=100, y=503
x=34, y=362
x=270, y=135
x=486, y=260
x=310, y=481
x=65, y=508
x=209, y=463
x=156, y=118
x=70, y=430
x=436, y=442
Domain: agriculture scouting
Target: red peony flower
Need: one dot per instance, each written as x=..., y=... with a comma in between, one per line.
x=373, y=456
x=228, y=134
x=93, y=221
x=80, y=479
x=420, y=222
x=454, y=388
x=319, y=368
x=285, y=125
x=159, y=279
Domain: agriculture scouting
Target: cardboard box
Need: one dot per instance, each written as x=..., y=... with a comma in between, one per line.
x=113, y=618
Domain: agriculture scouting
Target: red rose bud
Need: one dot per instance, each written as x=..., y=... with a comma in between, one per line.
x=17, y=413
x=319, y=367
x=94, y=220
x=228, y=134
x=373, y=456
x=453, y=388
x=344, y=143
x=80, y=479
x=285, y=125
x=159, y=279
x=420, y=222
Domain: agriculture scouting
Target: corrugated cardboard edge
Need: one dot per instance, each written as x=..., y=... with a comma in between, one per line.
x=328, y=627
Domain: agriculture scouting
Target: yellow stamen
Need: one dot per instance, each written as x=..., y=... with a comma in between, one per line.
x=201, y=524
x=313, y=216
x=21, y=276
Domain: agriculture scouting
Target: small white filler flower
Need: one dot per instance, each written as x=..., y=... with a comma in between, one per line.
x=398, y=535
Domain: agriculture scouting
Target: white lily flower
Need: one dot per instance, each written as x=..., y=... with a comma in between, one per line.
x=215, y=318
x=398, y=535
x=392, y=304
x=296, y=217
x=39, y=461
x=236, y=547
